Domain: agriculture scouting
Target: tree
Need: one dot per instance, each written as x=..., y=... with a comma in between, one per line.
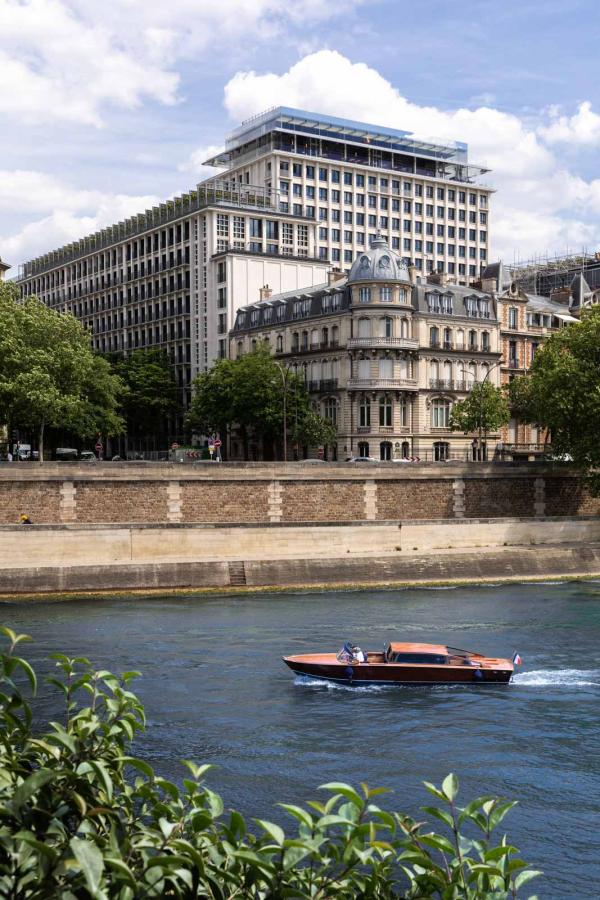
x=81, y=817
x=49, y=375
x=247, y=393
x=485, y=409
x=151, y=397
x=561, y=392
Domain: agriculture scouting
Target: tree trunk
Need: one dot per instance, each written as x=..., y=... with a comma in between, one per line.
x=41, y=443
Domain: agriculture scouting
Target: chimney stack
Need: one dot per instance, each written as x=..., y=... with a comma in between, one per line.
x=334, y=275
x=265, y=292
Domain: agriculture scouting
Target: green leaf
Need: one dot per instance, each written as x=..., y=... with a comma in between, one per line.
x=30, y=786
x=276, y=833
x=339, y=787
x=90, y=859
x=450, y=787
x=524, y=877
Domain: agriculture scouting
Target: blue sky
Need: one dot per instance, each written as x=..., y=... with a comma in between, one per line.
x=107, y=108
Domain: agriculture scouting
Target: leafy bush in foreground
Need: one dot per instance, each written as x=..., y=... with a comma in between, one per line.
x=80, y=817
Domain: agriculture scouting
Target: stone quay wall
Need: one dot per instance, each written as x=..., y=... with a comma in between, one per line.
x=237, y=494
x=104, y=527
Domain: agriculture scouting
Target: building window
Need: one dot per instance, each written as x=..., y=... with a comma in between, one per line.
x=386, y=368
x=441, y=451
x=385, y=451
x=330, y=410
x=364, y=413
x=385, y=412
x=387, y=327
x=385, y=294
x=364, y=295
x=512, y=317
x=403, y=412
x=363, y=448
x=222, y=225
x=440, y=413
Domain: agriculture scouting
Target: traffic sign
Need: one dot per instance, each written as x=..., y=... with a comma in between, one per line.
x=217, y=442
x=99, y=447
x=174, y=446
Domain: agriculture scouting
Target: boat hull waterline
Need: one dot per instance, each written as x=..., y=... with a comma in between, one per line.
x=326, y=667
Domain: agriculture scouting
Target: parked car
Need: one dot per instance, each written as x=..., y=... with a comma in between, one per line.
x=63, y=454
x=362, y=459
x=88, y=456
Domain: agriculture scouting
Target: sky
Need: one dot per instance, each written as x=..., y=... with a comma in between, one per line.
x=108, y=108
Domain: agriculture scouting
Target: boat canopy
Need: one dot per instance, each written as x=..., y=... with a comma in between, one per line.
x=439, y=649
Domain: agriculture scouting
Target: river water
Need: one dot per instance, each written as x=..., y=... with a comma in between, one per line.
x=216, y=691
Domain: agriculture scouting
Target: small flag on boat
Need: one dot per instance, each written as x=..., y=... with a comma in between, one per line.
x=517, y=661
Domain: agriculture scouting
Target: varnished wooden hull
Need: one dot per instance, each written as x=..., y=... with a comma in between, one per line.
x=326, y=667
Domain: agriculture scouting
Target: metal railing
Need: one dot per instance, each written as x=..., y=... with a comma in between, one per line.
x=395, y=384
x=392, y=342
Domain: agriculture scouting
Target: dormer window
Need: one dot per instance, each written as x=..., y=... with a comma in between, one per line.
x=433, y=302
x=254, y=318
x=281, y=311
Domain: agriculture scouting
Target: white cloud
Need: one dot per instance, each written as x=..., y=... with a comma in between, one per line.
x=195, y=162
x=539, y=204
x=67, y=60
x=60, y=212
x=581, y=128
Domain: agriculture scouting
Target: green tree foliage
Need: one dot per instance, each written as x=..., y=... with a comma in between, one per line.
x=81, y=817
x=561, y=392
x=247, y=393
x=49, y=375
x=152, y=397
x=485, y=409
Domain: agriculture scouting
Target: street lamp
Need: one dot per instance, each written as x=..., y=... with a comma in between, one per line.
x=284, y=371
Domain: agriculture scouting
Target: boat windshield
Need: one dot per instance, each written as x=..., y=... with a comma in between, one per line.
x=432, y=659
x=454, y=651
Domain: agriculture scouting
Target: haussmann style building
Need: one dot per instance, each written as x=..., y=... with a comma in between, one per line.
x=385, y=353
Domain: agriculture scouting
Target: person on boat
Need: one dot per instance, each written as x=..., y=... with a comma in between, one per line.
x=359, y=655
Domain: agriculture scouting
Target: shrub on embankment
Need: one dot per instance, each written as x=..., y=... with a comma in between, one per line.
x=82, y=818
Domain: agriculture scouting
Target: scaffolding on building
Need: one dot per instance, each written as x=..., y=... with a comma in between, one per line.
x=545, y=273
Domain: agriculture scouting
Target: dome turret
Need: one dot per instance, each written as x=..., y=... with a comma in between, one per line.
x=378, y=263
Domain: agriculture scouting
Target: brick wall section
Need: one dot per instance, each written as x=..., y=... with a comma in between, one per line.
x=570, y=497
x=430, y=499
x=314, y=501
x=499, y=497
x=224, y=501
x=40, y=500
x=121, y=501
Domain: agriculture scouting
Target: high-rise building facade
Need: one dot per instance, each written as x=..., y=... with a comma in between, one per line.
x=301, y=192
x=354, y=180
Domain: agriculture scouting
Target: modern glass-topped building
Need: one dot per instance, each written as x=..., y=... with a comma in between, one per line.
x=354, y=179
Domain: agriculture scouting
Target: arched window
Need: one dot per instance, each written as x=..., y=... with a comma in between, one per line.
x=460, y=339
x=330, y=409
x=314, y=338
x=484, y=370
x=324, y=337
x=295, y=342
x=279, y=343
x=364, y=328
x=485, y=340
x=386, y=327
x=386, y=367
x=434, y=337
x=473, y=372
x=240, y=348
x=304, y=345
x=363, y=448
x=335, y=331
x=364, y=413
x=472, y=340
x=434, y=370
x=440, y=413
x=448, y=372
x=405, y=449
x=385, y=451
x=385, y=411
x=447, y=339
x=441, y=451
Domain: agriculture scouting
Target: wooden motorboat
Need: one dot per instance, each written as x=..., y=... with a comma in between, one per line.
x=403, y=663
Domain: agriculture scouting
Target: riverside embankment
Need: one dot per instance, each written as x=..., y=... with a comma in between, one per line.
x=121, y=526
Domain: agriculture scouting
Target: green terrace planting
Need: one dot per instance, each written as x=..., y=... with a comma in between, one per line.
x=81, y=817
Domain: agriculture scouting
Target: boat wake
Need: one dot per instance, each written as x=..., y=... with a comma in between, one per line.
x=566, y=677
x=307, y=681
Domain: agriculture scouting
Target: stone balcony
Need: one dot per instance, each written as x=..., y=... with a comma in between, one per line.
x=382, y=384
x=383, y=343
